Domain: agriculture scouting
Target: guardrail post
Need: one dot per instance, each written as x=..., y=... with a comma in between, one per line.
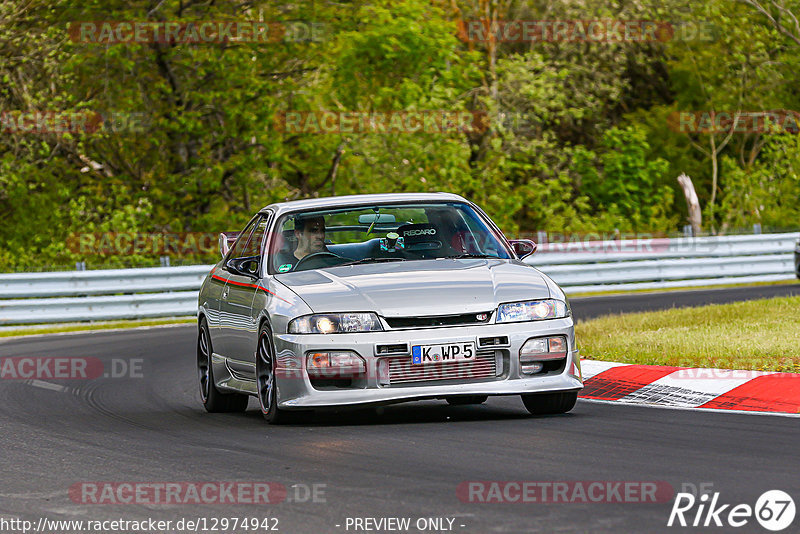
x=80, y=266
x=164, y=261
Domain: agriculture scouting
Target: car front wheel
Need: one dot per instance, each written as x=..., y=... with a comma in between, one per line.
x=267, y=383
x=550, y=403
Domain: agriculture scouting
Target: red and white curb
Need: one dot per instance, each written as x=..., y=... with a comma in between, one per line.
x=692, y=388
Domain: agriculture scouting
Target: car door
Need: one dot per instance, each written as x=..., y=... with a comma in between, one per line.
x=212, y=293
x=239, y=322
x=225, y=320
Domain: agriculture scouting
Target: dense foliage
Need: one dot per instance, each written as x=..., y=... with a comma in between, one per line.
x=578, y=135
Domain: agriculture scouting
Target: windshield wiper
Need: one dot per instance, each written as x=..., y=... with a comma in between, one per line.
x=462, y=256
x=371, y=260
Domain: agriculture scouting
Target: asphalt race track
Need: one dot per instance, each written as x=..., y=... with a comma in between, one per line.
x=400, y=461
x=588, y=307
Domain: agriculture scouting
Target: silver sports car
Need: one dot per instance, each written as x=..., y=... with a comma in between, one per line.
x=377, y=299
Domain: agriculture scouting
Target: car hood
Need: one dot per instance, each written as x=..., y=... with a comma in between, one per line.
x=418, y=288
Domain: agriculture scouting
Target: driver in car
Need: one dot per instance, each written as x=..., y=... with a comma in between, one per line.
x=310, y=235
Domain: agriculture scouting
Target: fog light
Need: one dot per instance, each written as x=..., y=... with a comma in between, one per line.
x=534, y=347
x=531, y=368
x=340, y=364
x=541, y=349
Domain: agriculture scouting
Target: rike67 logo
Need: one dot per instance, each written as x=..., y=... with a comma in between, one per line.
x=774, y=510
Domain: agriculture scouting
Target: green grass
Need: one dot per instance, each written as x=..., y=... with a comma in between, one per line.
x=81, y=327
x=761, y=335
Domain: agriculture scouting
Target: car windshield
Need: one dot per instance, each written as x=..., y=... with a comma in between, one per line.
x=381, y=233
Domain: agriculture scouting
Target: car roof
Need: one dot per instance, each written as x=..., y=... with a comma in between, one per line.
x=355, y=200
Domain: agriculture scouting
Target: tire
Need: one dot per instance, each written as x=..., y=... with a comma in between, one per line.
x=550, y=403
x=464, y=400
x=266, y=383
x=213, y=399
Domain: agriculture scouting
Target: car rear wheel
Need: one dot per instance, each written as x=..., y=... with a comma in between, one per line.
x=550, y=403
x=463, y=400
x=213, y=399
x=266, y=382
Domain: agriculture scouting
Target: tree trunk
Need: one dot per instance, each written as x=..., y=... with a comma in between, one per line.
x=714, y=178
x=695, y=215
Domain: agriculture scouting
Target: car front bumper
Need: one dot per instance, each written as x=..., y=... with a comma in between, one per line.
x=295, y=389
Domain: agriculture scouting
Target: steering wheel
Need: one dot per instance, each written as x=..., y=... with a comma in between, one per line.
x=322, y=258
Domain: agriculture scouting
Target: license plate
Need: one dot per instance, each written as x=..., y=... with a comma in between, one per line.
x=443, y=353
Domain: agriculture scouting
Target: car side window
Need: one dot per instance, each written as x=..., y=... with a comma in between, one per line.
x=242, y=241
x=253, y=247
x=470, y=237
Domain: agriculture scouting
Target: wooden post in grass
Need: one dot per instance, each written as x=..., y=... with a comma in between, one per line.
x=695, y=216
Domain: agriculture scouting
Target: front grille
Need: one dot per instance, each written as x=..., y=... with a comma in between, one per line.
x=402, y=371
x=438, y=320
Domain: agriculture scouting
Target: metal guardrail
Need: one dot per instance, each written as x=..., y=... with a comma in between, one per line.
x=60, y=310
x=584, y=267
x=100, y=295
x=658, y=249
x=105, y=282
x=596, y=266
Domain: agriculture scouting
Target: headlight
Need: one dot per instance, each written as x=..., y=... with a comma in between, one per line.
x=533, y=310
x=335, y=323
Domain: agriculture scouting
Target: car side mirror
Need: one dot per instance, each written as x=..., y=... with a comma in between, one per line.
x=243, y=267
x=223, y=245
x=523, y=247
x=226, y=241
